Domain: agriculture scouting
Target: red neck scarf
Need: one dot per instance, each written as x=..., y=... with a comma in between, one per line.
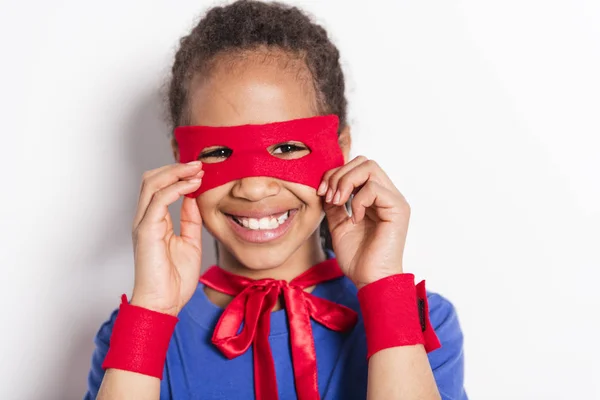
x=253, y=303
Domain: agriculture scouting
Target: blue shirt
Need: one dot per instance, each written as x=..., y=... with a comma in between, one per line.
x=195, y=369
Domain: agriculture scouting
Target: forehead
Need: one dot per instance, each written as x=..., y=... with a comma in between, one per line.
x=254, y=87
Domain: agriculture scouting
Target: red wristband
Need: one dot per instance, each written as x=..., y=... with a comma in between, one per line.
x=431, y=340
x=396, y=313
x=139, y=340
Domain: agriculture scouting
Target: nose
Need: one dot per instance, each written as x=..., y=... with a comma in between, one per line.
x=256, y=188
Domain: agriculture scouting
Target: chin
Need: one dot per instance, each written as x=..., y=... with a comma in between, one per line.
x=263, y=256
x=259, y=258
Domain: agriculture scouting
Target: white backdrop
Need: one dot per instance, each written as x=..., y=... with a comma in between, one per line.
x=485, y=114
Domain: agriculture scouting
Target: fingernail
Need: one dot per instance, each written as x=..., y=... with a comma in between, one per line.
x=195, y=163
x=329, y=195
x=321, y=188
x=336, y=198
x=195, y=180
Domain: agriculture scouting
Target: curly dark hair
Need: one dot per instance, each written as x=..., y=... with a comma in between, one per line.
x=246, y=25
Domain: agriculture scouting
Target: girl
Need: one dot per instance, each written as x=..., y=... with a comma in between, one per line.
x=261, y=143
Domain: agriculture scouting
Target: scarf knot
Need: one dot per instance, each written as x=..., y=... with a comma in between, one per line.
x=247, y=321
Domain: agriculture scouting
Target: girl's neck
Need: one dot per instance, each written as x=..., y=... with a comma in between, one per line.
x=309, y=254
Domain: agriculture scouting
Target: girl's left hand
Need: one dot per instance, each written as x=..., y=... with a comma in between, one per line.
x=370, y=244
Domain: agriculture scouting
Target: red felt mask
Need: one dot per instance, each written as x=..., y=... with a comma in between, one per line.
x=250, y=157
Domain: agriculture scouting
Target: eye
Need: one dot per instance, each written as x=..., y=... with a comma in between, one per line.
x=289, y=150
x=215, y=154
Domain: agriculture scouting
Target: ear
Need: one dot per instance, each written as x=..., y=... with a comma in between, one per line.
x=175, y=148
x=345, y=141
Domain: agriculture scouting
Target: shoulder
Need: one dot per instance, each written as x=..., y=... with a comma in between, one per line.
x=442, y=312
x=106, y=328
x=102, y=338
x=447, y=362
x=101, y=341
x=445, y=322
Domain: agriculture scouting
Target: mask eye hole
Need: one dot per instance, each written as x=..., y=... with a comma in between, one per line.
x=215, y=154
x=289, y=150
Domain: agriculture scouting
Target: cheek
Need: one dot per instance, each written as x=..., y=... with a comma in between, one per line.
x=204, y=208
x=208, y=202
x=308, y=196
x=204, y=204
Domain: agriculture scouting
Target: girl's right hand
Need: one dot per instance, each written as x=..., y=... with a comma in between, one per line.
x=167, y=266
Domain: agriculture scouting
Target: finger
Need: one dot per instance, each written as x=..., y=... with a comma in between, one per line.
x=327, y=175
x=336, y=216
x=158, y=207
x=333, y=178
x=191, y=222
x=158, y=178
x=366, y=171
x=323, y=186
x=153, y=172
x=155, y=180
x=372, y=194
x=353, y=180
x=169, y=222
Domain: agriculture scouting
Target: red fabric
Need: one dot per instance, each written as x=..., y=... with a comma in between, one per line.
x=139, y=340
x=431, y=340
x=253, y=303
x=250, y=156
x=391, y=314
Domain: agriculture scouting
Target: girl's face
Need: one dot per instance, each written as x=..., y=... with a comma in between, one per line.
x=260, y=222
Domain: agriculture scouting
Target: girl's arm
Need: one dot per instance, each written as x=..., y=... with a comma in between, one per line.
x=167, y=269
x=369, y=246
x=401, y=373
x=113, y=383
x=409, y=373
x=118, y=384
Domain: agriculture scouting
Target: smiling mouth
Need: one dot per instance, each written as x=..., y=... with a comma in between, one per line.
x=264, y=223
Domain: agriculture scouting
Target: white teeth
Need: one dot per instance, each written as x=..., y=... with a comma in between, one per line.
x=263, y=223
x=283, y=217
